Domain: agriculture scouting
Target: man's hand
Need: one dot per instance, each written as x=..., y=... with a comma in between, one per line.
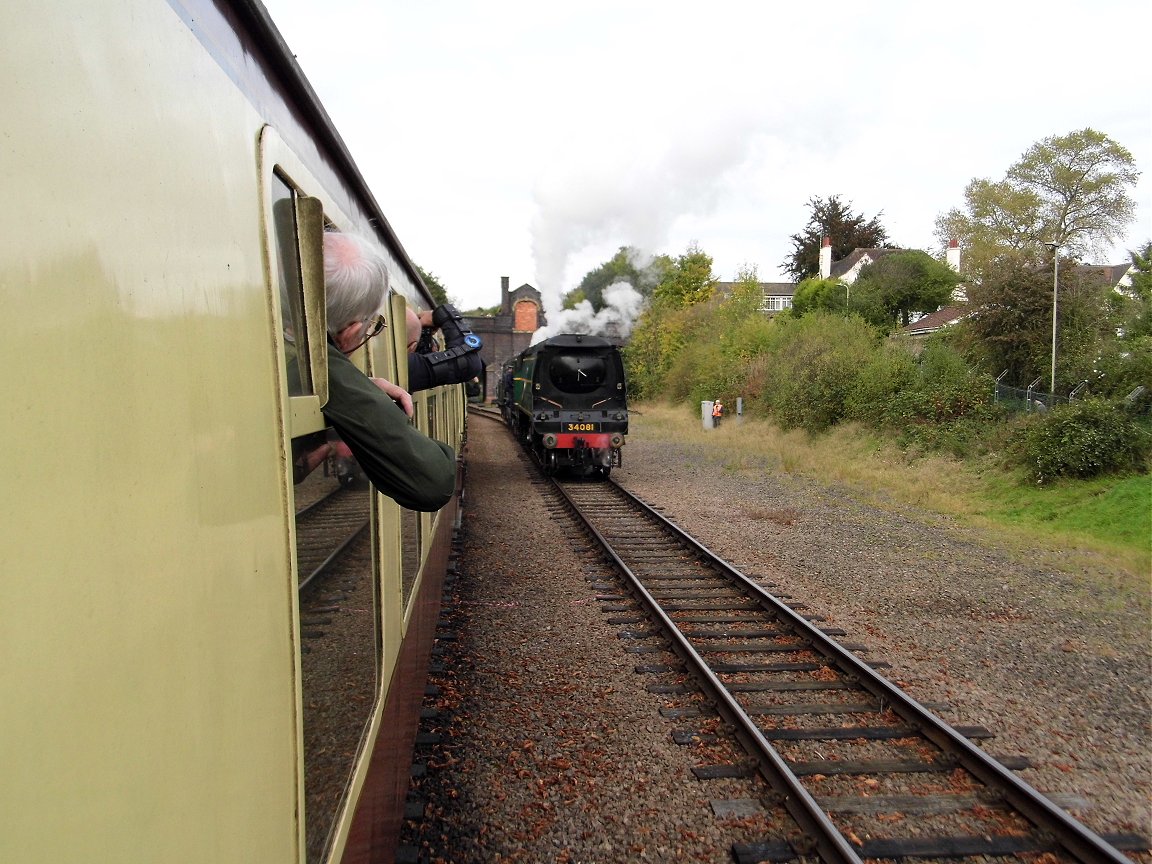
x=399, y=395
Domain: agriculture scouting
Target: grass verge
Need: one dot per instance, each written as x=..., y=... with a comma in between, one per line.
x=1103, y=524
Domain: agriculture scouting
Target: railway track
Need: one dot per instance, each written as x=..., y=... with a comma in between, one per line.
x=864, y=770
x=326, y=528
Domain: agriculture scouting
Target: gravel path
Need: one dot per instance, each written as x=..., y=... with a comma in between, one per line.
x=1057, y=664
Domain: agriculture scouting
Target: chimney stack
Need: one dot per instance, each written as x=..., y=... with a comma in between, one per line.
x=826, y=258
x=954, y=254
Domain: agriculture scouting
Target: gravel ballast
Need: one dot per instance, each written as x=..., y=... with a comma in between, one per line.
x=547, y=747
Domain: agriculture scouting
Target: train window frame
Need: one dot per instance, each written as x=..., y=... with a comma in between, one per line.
x=398, y=311
x=278, y=164
x=301, y=416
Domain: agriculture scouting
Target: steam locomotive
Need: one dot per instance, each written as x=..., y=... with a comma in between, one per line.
x=566, y=399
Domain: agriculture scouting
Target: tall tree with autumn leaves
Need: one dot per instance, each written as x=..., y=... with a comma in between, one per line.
x=1073, y=190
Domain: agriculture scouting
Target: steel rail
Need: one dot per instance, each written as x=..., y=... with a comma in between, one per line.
x=1070, y=834
x=332, y=557
x=315, y=505
x=314, y=509
x=833, y=847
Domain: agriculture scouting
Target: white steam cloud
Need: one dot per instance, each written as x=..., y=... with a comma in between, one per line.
x=628, y=200
x=622, y=306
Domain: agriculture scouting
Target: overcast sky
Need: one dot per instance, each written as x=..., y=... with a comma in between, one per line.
x=529, y=139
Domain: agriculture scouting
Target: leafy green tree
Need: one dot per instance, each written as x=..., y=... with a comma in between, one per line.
x=1012, y=325
x=896, y=285
x=848, y=231
x=1138, y=312
x=830, y=295
x=439, y=294
x=627, y=265
x=574, y=298
x=663, y=330
x=815, y=361
x=1119, y=358
x=1070, y=189
x=688, y=281
x=746, y=297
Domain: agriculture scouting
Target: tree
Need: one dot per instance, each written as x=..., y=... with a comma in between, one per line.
x=814, y=293
x=666, y=326
x=1139, y=311
x=1012, y=327
x=1124, y=359
x=1071, y=189
x=628, y=265
x=902, y=283
x=439, y=294
x=746, y=297
x=848, y=231
x=688, y=281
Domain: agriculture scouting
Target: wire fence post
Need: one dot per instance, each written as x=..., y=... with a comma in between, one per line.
x=999, y=378
x=1033, y=404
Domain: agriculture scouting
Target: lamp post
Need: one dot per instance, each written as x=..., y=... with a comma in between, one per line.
x=1055, y=247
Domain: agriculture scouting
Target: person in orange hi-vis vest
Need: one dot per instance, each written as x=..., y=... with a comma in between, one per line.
x=717, y=412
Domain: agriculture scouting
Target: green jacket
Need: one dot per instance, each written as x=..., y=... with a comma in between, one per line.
x=403, y=463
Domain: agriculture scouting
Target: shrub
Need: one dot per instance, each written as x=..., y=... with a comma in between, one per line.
x=1083, y=439
x=816, y=359
x=947, y=408
x=884, y=374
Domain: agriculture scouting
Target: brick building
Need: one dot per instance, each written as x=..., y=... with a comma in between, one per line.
x=509, y=331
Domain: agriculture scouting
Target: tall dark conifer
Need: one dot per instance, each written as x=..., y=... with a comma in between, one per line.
x=848, y=230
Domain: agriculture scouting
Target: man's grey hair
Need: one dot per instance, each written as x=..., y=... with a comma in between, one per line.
x=355, y=279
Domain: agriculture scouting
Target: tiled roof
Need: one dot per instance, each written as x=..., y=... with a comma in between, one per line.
x=1108, y=274
x=770, y=289
x=839, y=268
x=778, y=289
x=940, y=318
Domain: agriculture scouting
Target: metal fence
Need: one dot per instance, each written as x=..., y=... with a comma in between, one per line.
x=1034, y=399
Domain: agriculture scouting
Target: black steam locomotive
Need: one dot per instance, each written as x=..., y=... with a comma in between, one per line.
x=567, y=400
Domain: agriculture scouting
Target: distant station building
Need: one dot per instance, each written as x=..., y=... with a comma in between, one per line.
x=509, y=331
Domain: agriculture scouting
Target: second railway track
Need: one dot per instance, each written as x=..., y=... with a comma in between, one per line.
x=865, y=771
x=327, y=527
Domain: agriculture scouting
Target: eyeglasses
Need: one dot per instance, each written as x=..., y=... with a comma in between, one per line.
x=373, y=327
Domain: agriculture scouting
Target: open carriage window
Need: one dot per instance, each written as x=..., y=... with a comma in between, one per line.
x=286, y=267
x=339, y=640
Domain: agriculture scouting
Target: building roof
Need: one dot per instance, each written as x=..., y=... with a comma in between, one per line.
x=778, y=289
x=1108, y=274
x=846, y=264
x=933, y=321
x=770, y=289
